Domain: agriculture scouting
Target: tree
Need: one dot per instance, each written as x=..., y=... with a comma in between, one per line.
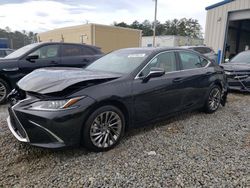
x=18, y=39
x=183, y=27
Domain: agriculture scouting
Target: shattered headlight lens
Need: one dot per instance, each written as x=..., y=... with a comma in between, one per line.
x=55, y=104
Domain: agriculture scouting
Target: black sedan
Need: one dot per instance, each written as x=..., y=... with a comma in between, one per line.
x=238, y=72
x=45, y=54
x=57, y=107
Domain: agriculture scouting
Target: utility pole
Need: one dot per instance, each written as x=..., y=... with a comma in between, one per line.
x=155, y=23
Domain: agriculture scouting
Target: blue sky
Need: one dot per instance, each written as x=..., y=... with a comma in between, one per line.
x=43, y=15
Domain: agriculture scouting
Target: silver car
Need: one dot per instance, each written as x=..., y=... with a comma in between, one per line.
x=206, y=51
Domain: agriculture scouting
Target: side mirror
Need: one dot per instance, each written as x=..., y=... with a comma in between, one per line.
x=227, y=60
x=154, y=72
x=32, y=58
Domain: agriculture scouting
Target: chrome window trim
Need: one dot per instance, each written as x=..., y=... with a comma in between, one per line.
x=209, y=63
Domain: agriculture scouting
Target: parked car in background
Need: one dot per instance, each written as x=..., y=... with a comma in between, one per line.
x=204, y=50
x=57, y=107
x=5, y=51
x=238, y=71
x=51, y=54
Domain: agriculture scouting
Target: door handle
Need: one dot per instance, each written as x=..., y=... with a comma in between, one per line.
x=178, y=80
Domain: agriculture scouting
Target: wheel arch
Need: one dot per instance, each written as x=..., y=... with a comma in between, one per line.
x=114, y=102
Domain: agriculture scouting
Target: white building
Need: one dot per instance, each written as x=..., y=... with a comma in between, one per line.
x=228, y=27
x=171, y=41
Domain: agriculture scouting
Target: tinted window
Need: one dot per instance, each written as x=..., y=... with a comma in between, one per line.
x=71, y=50
x=208, y=50
x=2, y=53
x=243, y=57
x=166, y=60
x=49, y=51
x=202, y=50
x=88, y=51
x=190, y=60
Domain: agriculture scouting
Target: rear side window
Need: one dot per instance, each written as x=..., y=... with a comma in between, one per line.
x=71, y=50
x=190, y=61
x=89, y=51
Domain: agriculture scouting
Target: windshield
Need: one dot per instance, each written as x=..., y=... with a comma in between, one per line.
x=21, y=51
x=121, y=61
x=243, y=57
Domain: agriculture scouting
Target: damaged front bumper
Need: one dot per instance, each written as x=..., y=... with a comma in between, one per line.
x=238, y=81
x=48, y=129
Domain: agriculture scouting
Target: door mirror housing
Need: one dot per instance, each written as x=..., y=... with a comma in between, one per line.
x=154, y=72
x=32, y=58
x=227, y=60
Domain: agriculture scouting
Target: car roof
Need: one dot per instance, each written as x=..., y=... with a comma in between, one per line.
x=155, y=49
x=187, y=47
x=70, y=43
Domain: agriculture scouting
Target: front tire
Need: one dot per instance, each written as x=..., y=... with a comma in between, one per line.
x=213, y=100
x=104, y=129
x=4, y=90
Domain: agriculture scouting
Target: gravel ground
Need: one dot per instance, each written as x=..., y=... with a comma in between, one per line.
x=191, y=150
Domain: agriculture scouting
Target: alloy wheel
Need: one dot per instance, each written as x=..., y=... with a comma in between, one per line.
x=106, y=129
x=214, y=98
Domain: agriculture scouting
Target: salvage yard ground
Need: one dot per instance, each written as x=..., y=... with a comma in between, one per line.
x=193, y=149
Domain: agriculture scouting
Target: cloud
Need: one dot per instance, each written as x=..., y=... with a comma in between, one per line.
x=42, y=15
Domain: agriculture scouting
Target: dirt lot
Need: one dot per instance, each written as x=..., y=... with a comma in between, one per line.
x=191, y=150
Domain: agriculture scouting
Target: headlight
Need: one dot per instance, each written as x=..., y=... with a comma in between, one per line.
x=55, y=104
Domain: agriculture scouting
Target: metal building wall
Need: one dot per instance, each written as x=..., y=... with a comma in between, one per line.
x=216, y=22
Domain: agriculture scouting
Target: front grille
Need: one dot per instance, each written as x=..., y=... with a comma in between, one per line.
x=16, y=124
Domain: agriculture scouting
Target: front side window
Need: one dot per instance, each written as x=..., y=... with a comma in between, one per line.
x=44, y=52
x=71, y=50
x=190, y=60
x=166, y=61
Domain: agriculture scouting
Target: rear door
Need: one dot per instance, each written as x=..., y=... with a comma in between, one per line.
x=77, y=55
x=195, y=78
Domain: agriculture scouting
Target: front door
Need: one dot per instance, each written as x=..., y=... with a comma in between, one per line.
x=158, y=96
x=48, y=56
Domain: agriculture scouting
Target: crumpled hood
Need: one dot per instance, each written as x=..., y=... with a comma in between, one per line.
x=236, y=67
x=50, y=80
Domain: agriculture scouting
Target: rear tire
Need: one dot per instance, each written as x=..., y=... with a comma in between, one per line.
x=213, y=99
x=103, y=129
x=4, y=90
